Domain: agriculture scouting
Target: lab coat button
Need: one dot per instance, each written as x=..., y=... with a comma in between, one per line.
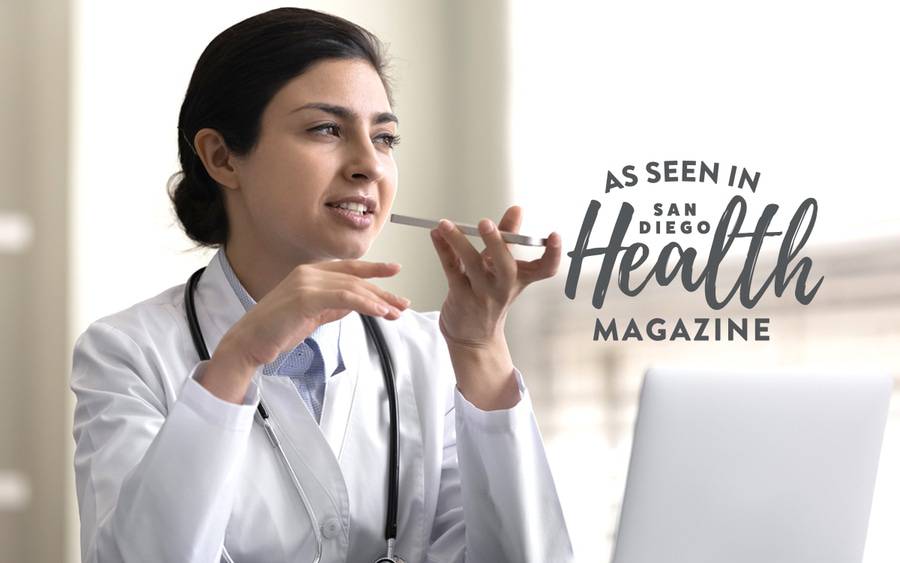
x=331, y=528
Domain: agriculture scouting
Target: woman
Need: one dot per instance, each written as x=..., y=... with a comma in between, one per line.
x=286, y=137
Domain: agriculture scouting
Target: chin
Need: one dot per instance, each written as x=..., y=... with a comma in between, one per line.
x=351, y=251
x=351, y=245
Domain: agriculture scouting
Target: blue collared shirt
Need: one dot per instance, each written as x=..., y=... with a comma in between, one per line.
x=326, y=336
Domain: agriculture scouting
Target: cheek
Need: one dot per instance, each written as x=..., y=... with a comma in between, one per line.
x=282, y=200
x=392, y=177
x=298, y=182
x=390, y=193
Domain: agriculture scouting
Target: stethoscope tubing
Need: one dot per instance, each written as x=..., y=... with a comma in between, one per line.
x=387, y=367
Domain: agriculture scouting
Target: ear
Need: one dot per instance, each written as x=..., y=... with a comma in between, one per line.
x=216, y=158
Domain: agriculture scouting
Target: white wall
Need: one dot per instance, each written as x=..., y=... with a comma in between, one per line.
x=804, y=92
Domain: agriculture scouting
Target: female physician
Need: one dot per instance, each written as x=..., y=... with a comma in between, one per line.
x=331, y=422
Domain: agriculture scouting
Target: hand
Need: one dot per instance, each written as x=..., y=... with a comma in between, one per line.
x=482, y=286
x=481, y=289
x=311, y=295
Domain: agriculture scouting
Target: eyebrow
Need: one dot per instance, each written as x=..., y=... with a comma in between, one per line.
x=347, y=113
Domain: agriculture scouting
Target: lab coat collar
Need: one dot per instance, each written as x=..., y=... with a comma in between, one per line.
x=218, y=308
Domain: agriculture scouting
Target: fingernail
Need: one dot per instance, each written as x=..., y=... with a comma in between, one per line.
x=392, y=264
x=406, y=302
x=381, y=309
x=434, y=234
x=486, y=226
x=445, y=225
x=554, y=241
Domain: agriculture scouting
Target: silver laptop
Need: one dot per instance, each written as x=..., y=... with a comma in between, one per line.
x=752, y=468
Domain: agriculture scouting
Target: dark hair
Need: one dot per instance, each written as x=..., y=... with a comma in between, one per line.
x=236, y=77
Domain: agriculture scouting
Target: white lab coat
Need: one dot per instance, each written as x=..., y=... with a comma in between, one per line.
x=167, y=472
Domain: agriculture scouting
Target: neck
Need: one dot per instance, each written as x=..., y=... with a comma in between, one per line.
x=257, y=275
x=259, y=272
x=258, y=265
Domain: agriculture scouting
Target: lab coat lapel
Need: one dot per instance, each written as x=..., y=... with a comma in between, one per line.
x=340, y=390
x=364, y=455
x=319, y=444
x=304, y=443
x=311, y=450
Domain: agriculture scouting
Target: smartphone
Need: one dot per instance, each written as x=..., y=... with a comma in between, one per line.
x=471, y=230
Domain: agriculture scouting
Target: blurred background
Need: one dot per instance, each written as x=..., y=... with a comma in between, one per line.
x=501, y=102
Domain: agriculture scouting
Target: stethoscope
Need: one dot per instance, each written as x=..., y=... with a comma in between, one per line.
x=262, y=416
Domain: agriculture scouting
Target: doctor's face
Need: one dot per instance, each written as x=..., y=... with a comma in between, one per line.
x=320, y=183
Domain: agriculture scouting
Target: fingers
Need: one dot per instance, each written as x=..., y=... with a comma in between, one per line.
x=347, y=275
x=356, y=301
x=502, y=262
x=453, y=267
x=547, y=265
x=511, y=220
x=348, y=299
x=346, y=281
x=471, y=258
x=361, y=268
x=495, y=261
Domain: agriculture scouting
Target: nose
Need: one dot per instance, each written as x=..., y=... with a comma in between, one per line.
x=363, y=161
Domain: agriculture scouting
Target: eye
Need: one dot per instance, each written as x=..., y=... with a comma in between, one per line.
x=327, y=129
x=390, y=141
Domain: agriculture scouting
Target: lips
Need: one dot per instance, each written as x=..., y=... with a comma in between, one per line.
x=370, y=204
